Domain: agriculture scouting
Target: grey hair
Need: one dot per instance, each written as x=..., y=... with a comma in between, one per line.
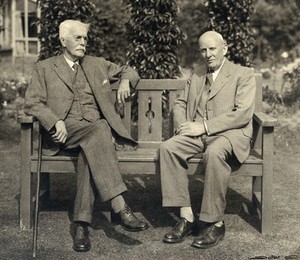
x=66, y=26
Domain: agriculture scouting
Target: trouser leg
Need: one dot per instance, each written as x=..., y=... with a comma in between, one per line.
x=97, y=164
x=217, y=173
x=103, y=162
x=174, y=154
x=85, y=195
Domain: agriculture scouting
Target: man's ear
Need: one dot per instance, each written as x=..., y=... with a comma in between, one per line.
x=225, y=48
x=62, y=41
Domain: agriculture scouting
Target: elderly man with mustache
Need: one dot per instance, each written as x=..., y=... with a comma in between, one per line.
x=70, y=95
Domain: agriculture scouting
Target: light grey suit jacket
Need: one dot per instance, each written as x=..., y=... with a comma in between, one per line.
x=230, y=104
x=50, y=94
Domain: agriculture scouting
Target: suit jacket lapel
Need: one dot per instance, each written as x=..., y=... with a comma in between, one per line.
x=89, y=70
x=63, y=71
x=199, y=80
x=93, y=74
x=221, y=80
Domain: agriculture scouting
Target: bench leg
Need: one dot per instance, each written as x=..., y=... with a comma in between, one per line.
x=266, y=206
x=256, y=192
x=267, y=181
x=26, y=204
x=262, y=187
x=26, y=197
x=262, y=200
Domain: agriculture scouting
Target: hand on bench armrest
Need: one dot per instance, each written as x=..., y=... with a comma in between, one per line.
x=264, y=120
x=26, y=119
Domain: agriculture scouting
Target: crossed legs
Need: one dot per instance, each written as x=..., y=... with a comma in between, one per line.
x=97, y=172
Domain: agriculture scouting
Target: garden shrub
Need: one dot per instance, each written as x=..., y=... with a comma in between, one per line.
x=107, y=36
x=192, y=19
x=108, y=32
x=232, y=19
x=271, y=96
x=12, y=93
x=154, y=38
x=289, y=98
x=292, y=95
x=55, y=12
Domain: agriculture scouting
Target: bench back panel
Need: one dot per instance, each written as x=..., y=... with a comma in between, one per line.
x=151, y=92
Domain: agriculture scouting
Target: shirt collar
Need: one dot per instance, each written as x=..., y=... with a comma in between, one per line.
x=216, y=72
x=70, y=62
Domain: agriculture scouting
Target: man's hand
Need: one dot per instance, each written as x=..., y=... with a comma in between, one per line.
x=191, y=129
x=123, y=91
x=61, y=133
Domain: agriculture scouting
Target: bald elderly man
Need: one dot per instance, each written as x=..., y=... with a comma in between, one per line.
x=212, y=116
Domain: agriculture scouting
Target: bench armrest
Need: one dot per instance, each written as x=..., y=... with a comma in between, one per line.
x=263, y=133
x=26, y=119
x=264, y=120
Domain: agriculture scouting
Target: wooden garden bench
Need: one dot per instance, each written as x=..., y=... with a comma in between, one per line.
x=259, y=164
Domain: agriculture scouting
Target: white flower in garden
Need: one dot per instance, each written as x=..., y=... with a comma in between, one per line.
x=5, y=103
x=284, y=55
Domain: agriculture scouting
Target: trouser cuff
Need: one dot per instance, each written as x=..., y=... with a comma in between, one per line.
x=85, y=217
x=211, y=219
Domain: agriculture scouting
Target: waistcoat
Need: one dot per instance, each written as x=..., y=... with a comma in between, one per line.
x=84, y=105
x=201, y=112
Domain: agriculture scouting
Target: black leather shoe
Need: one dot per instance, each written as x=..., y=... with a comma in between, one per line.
x=179, y=232
x=128, y=220
x=210, y=236
x=81, y=241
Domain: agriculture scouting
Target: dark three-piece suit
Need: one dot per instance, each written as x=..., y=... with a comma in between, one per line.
x=83, y=100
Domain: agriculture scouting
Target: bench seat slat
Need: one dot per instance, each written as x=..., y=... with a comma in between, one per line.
x=137, y=162
x=147, y=155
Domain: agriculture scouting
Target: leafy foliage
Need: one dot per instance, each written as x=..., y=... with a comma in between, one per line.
x=12, y=90
x=292, y=94
x=107, y=26
x=192, y=19
x=2, y=2
x=154, y=37
x=278, y=25
x=232, y=19
x=108, y=31
x=52, y=14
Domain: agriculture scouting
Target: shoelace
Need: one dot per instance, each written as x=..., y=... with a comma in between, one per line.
x=128, y=211
x=178, y=224
x=80, y=232
x=208, y=231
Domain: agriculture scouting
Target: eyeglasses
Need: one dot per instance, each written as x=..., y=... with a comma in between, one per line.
x=79, y=38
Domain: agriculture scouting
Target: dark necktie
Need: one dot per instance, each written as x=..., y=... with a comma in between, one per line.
x=209, y=78
x=75, y=67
